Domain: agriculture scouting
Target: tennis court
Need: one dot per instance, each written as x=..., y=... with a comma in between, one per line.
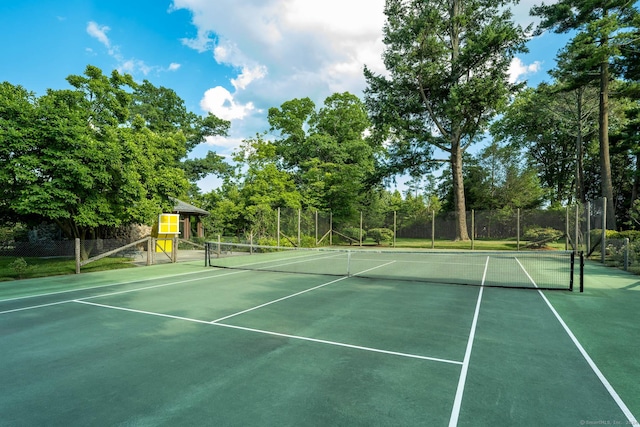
x=189, y=344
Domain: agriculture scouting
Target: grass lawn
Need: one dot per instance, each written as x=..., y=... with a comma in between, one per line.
x=480, y=245
x=11, y=268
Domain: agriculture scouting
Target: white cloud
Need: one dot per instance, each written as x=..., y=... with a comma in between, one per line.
x=285, y=49
x=518, y=69
x=130, y=66
x=220, y=101
x=99, y=32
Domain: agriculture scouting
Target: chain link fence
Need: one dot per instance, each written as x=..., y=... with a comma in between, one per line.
x=304, y=228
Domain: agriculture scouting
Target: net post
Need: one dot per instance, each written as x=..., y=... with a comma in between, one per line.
x=348, y=263
x=603, y=241
x=219, y=248
x=581, y=272
x=573, y=260
x=206, y=254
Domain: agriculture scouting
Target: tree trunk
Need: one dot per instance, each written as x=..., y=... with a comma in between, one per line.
x=605, y=161
x=458, y=192
x=580, y=193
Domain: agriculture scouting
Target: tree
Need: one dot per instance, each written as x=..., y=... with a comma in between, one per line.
x=79, y=158
x=600, y=24
x=325, y=151
x=447, y=65
x=164, y=112
x=552, y=124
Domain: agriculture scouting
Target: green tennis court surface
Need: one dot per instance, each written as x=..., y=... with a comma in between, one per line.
x=185, y=344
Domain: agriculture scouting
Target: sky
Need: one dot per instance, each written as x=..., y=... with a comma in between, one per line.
x=233, y=58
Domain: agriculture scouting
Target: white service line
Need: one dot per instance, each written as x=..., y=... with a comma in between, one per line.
x=457, y=402
x=296, y=337
x=293, y=295
x=339, y=344
x=631, y=420
x=278, y=300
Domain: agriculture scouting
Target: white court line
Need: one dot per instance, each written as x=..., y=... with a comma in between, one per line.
x=278, y=300
x=457, y=402
x=339, y=344
x=294, y=295
x=97, y=287
x=119, y=292
x=607, y=385
x=296, y=337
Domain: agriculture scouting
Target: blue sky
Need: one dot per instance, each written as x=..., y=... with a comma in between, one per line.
x=234, y=58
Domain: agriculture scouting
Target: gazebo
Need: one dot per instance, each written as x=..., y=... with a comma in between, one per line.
x=190, y=219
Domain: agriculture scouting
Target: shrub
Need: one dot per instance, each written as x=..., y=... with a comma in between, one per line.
x=540, y=236
x=380, y=235
x=307, y=242
x=20, y=266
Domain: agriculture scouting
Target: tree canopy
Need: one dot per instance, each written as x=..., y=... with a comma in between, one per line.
x=105, y=153
x=447, y=65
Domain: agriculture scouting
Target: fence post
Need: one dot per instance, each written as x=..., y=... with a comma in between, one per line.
x=395, y=227
x=174, y=252
x=566, y=229
x=473, y=229
x=149, y=250
x=278, y=231
x=518, y=230
x=77, y=251
x=299, y=227
x=316, y=227
x=626, y=254
x=577, y=248
x=360, y=228
x=331, y=228
x=433, y=229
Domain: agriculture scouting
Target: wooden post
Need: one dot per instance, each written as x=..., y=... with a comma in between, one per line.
x=518, y=229
x=77, y=250
x=433, y=229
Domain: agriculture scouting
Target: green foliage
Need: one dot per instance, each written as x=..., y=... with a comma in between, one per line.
x=540, y=236
x=380, y=235
x=106, y=153
x=307, y=241
x=43, y=267
x=20, y=266
x=324, y=150
x=447, y=69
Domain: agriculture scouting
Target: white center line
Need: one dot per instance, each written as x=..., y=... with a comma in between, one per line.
x=457, y=403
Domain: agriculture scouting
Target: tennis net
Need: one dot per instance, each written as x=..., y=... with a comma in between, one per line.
x=521, y=269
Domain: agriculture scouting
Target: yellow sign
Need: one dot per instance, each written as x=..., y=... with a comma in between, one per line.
x=169, y=224
x=168, y=228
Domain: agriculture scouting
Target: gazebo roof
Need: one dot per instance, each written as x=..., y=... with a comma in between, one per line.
x=183, y=207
